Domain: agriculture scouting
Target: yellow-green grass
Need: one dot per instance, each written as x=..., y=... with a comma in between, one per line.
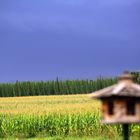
x=48, y=104
x=48, y=115
x=55, y=116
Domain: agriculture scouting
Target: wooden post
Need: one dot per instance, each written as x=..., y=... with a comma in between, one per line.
x=126, y=131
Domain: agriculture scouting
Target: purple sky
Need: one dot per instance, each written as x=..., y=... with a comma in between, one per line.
x=71, y=39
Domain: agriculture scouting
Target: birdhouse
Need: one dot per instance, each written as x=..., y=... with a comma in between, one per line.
x=120, y=102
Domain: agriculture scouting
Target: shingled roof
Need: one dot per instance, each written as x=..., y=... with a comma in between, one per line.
x=124, y=87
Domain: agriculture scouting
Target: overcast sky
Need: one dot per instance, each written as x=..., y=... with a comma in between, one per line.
x=69, y=39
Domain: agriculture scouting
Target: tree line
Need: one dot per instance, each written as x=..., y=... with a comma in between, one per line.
x=54, y=87
x=57, y=87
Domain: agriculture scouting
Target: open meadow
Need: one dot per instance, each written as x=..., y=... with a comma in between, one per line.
x=55, y=117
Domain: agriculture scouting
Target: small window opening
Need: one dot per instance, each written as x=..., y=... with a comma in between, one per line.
x=130, y=104
x=110, y=108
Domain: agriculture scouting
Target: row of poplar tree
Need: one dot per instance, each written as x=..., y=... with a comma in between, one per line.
x=57, y=87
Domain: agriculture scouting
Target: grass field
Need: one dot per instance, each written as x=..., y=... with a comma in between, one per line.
x=56, y=117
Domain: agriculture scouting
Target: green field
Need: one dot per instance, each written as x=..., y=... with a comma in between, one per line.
x=56, y=117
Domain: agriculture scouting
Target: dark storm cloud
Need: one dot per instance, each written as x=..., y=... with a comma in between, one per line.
x=68, y=38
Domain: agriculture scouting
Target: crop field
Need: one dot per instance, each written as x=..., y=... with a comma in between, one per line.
x=55, y=116
x=40, y=105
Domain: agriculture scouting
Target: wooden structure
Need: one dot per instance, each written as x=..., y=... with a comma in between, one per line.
x=120, y=102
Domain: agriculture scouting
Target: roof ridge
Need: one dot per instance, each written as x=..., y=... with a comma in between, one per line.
x=118, y=88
